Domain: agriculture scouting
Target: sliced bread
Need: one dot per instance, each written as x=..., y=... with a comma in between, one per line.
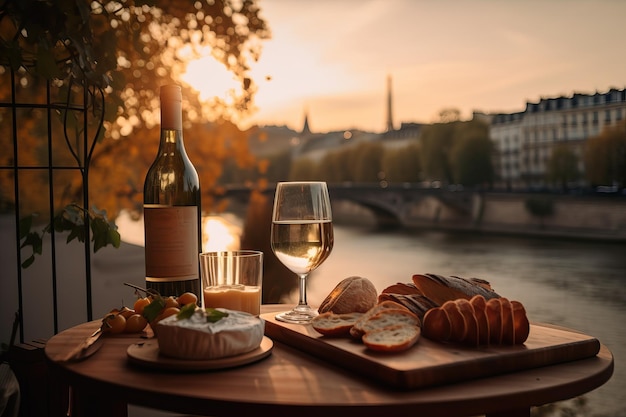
x=356, y=331
x=331, y=324
x=393, y=338
x=388, y=318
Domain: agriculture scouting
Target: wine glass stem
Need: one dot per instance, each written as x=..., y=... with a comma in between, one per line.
x=302, y=301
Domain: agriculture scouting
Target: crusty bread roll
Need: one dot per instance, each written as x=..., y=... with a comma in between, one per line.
x=352, y=295
x=331, y=324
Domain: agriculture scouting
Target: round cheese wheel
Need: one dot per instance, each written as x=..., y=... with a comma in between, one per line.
x=197, y=339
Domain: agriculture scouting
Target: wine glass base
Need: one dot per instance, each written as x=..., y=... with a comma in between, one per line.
x=296, y=316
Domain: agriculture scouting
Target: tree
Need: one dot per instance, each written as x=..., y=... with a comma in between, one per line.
x=562, y=166
x=541, y=207
x=278, y=166
x=443, y=148
x=605, y=157
x=437, y=140
x=132, y=47
x=303, y=169
x=403, y=164
x=98, y=65
x=122, y=53
x=471, y=155
x=449, y=115
x=368, y=164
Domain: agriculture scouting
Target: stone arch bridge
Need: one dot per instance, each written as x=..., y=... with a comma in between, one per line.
x=391, y=204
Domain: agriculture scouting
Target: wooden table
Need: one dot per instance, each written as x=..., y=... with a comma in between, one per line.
x=296, y=383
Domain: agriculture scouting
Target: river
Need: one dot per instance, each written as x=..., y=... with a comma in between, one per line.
x=580, y=285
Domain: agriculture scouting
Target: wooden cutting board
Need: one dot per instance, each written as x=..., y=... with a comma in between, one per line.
x=430, y=363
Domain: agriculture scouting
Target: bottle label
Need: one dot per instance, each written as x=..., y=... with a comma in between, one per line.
x=171, y=242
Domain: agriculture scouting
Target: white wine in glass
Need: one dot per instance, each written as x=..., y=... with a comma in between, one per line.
x=302, y=236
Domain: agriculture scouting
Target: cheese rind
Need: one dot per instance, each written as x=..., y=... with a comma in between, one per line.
x=196, y=339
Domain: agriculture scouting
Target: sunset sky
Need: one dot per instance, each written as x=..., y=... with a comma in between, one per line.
x=332, y=57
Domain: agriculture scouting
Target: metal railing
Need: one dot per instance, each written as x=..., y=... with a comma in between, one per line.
x=15, y=112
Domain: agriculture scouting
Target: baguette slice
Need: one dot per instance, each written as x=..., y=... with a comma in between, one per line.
x=331, y=324
x=437, y=325
x=493, y=309
x=508, y=326
x=478, y=322
x=520, y=320
x=389, y=318
x=394, y=338
x=471, y=323
x=458, y=325
x=357, y=332
x=479, y=304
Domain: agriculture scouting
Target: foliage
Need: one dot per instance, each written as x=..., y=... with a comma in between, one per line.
x=336, y=166
x=562, y=166
x=278, y=166
x=441, y=161
x=449, y=115
x=437, y=141
x=540, y=207
x=126, y=51
x=470, y=156
x=457, y=152
x=131, y=47
x=402, y=164
x=368, y=162
x=605, y=157
x=71, y=220
x=303, y=170
x=120, y=53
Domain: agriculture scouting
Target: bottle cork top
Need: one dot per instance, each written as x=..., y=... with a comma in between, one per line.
x=171, y=92
x=171, y=106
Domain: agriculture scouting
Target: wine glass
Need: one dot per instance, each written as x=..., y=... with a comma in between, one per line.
x=302, y=236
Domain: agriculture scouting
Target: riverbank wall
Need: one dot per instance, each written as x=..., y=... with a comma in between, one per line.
x=544, y=215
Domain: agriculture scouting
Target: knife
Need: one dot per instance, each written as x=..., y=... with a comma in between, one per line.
x=86, y=348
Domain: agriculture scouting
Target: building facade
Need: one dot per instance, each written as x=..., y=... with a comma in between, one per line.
x=524, y=141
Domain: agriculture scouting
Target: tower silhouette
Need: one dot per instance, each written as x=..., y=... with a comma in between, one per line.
x=305, y=129
x=389, y=106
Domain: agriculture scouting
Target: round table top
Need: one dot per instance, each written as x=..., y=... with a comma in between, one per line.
x=292, y=381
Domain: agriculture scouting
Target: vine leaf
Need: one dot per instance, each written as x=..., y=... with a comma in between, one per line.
x=72, y=220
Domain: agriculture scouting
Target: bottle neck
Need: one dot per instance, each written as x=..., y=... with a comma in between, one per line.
x=171, y=122
x=171, y=141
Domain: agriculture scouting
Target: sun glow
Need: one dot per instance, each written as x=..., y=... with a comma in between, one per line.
x=211, y=79
x=219, y=233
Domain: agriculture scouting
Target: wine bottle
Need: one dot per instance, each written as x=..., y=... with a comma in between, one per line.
x=172, y=209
